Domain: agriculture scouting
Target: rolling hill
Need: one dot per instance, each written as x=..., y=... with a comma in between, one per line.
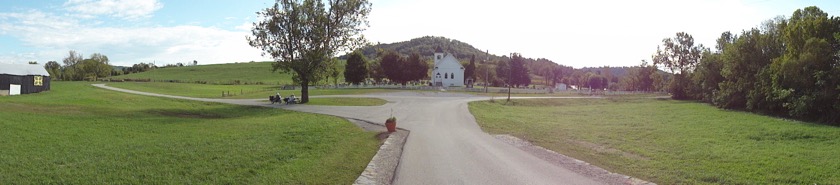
x=425, y=46
x=260, y=72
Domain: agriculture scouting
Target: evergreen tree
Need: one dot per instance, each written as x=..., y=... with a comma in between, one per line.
x=469, y=70
x=356, y=69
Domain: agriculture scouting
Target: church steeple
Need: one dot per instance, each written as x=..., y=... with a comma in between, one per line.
x=438, y=55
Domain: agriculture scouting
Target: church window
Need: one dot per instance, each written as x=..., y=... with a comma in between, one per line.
x=452, y=75
x=445, y=76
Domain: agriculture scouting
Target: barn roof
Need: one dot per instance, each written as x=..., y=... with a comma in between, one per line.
x=23, y=69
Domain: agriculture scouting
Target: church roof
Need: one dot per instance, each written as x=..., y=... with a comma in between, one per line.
x=439, y=50
x=450, y=61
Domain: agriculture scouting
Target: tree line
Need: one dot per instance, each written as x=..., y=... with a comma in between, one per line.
x=77, y=68
x=415, y=68
x=491, y=68
x=787, y=67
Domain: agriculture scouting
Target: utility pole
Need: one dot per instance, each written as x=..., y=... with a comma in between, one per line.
x=510, y=74
x=486, y=70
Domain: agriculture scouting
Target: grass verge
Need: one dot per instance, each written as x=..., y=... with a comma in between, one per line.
x=79, y=134
x=672, y=142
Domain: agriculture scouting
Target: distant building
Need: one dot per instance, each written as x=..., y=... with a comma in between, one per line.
x=18, y=79
x=560, y=87
x=447, y=71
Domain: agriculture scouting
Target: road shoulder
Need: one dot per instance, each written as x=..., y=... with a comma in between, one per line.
x=578, y=166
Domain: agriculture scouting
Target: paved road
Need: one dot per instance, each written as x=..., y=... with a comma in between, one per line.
x=446, y=145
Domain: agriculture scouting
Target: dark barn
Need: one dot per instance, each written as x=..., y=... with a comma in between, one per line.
x=18, y=79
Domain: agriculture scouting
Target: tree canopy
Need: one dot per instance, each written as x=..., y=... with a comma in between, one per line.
x=680, y=56
x=356, y=70
x=469, y=69
x=786, y=67
x=304, y=35
x=78, y=68
x=514, y=71
x=403, y=69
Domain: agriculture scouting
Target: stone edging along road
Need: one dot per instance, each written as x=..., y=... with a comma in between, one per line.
x=446, y=145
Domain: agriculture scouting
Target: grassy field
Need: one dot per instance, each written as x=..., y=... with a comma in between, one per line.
x=672, y=142
x=79, y=134
x=263, y=91
x=255, y=72
x=256, y=80
x=347, y=101
x=215, y=91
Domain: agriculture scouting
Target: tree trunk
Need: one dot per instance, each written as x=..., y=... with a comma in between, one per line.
x=304, y=91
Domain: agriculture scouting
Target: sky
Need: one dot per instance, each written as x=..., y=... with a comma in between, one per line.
x=574, y=33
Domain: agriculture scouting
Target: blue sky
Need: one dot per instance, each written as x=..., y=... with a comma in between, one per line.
x=128, y=31
x=576, y=33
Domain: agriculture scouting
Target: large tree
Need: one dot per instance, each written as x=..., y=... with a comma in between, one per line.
x=54, y=69
x=486, y=72
x=71, y=72
x=303, y=35
x=596, y=81
x=417, y=69
x=514, y=72
x=356, y=69
x=469, y=70
x=640, y=78
x=101, y=66
x=805, y=78
x=519, y=73
x=392, y=66
x=680, y=56
x=403, y=70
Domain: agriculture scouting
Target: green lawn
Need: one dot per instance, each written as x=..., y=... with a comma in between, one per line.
x=79, y=134
x=244, y=73
x=216, y=73
x=347, y=101
x=672, y=142
x=237, y=91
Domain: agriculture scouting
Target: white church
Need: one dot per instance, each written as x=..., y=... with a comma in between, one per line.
x=448, y=71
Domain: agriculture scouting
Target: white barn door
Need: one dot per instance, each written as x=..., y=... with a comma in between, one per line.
x=14, y=89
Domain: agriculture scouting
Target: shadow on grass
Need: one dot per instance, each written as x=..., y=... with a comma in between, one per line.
x=225, y=112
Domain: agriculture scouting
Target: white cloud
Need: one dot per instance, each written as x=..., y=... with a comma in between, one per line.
x=246, y=26
x=19, y=58
x=52, y=36
x=126, y=9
